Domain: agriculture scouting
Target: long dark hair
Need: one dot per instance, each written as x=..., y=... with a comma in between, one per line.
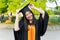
x=26, y=22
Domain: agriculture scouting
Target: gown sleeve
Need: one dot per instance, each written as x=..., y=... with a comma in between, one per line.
x=42, y=23
x=18, y=34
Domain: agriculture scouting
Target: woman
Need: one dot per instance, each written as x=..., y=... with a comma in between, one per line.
x=29, y=28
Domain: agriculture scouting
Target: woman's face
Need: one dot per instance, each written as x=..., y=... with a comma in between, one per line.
x=29, y=15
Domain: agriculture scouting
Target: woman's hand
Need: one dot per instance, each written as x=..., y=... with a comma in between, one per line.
x=18, y=14
x=31, y=6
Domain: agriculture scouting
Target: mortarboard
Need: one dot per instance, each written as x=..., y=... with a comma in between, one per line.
x=24, y=9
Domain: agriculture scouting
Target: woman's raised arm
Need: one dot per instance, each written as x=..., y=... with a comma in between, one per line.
x=38, y=9
x=16, y=25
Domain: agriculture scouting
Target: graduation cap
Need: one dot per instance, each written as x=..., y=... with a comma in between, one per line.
x=24, y=9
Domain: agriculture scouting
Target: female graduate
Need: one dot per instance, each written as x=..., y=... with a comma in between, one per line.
x=29, y=28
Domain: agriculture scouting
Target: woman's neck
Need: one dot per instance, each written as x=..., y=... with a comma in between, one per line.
x=30, y=21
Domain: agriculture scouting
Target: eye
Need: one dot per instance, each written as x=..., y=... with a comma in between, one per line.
x=26, y=14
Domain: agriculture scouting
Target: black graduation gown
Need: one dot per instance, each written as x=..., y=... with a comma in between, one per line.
x=41, y=26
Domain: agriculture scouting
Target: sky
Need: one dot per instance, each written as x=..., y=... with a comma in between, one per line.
x=53, y=4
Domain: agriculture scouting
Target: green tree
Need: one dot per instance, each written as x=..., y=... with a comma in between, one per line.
x=3, y=6
x=13, y=5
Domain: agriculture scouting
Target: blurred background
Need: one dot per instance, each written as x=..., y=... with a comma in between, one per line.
x=7, y=17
